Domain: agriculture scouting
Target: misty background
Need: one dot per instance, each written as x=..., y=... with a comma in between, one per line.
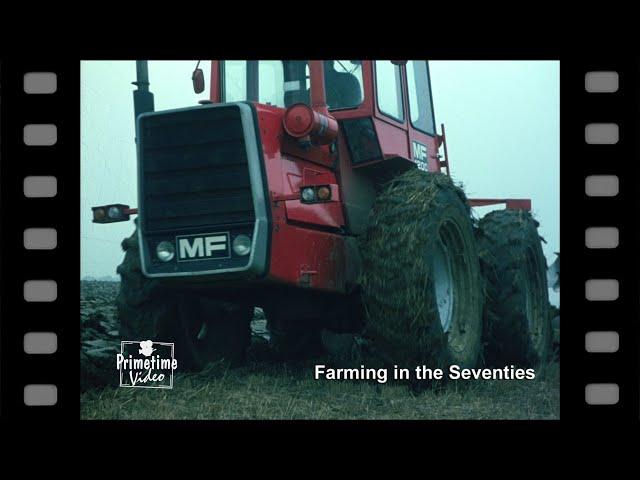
x=502, y=120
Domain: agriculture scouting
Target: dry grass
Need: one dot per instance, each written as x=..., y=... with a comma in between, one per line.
x=266, y=391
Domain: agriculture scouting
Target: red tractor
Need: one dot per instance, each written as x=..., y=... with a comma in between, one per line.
x=315, y=190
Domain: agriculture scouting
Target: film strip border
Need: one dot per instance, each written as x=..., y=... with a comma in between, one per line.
x=600, y=160
x=40, y=173
x=39, y=102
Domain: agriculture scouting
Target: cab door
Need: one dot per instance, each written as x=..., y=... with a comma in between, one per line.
x=390, y=112
x=423, y=140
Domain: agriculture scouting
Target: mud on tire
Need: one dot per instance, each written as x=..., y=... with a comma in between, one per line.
x=518, y=328
x=417, y=215
x=202, y=330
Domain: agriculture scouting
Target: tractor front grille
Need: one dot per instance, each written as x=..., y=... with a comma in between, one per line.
x=201, y=185
x=194, y=170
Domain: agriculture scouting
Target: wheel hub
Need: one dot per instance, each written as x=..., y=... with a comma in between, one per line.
x=443, y=280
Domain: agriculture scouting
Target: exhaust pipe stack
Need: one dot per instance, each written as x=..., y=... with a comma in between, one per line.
x=142, y=97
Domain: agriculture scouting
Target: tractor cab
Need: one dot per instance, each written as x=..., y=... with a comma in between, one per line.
x=385, y=107
x=366, y=121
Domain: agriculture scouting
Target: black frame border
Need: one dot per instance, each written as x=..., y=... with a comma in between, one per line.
x=578, y=160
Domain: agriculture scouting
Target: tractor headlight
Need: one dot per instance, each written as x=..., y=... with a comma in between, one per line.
x=114, y=212
x=98, y=214
x=324, y=193
x=165, y=251
x=117, y=212
x=308, y=194
x=242, y=245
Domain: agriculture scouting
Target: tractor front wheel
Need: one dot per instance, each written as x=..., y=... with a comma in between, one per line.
x=421, y=274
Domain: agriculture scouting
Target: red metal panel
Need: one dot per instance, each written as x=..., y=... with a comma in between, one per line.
x=300, y=255
x=320, y=154
x=214, y=94
x=322, y=214
x=515, y=204
x=432, y=148
x=510, y=203
x=308, y=258
x=393, y=140
x=299, y=173
x=316, y=79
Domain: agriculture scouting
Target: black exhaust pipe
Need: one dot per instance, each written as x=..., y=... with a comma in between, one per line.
x=142, y=97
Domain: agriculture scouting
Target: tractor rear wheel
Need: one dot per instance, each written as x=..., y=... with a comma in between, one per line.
x=517, y=320
x=202, y=330
x=421, y=274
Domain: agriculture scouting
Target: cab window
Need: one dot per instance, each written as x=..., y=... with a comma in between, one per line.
x=271, y=82
x=271, y=86
x=419, y=88
x=283, y=83
x=343, y=83
x=234, y=81
x=389, y=89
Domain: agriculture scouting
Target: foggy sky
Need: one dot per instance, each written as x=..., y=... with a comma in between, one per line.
x=502, y=120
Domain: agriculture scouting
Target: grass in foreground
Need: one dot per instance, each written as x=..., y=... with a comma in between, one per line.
x=267, y=391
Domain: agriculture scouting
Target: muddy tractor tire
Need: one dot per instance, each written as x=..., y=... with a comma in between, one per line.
x=518, y=328
x=422, y=284
x=202, y=330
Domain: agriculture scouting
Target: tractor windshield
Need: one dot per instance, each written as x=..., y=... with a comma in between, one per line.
x=282, y=83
